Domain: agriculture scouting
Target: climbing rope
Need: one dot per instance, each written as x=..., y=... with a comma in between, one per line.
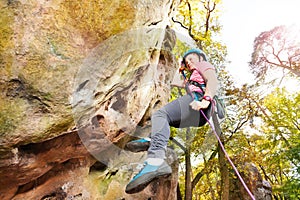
x=228, y=158
x=218, y=138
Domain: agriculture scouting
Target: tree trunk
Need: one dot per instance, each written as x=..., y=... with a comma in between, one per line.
x=224, y=193
x=188, y=170
x=211, y=190
x=188, y=178
x=179, y=197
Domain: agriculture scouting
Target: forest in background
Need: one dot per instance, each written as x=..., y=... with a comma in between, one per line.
x=262, y=125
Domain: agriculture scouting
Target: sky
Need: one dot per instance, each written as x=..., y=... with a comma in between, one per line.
x=243, y=20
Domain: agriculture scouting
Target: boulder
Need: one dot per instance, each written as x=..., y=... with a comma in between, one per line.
x=78, y=80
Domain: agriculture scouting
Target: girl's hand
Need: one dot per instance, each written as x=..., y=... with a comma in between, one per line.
x=198, y=105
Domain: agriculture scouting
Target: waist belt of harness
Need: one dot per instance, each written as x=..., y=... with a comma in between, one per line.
x=198, y=95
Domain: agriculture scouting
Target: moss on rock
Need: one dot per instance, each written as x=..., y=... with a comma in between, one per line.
x=11, y=113
x=97, y=20
x=6, y=22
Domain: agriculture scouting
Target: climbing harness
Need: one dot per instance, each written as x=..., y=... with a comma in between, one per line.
x=217, y=131
x=219, y=105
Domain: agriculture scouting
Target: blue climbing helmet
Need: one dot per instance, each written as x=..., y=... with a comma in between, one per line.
x=196, y=51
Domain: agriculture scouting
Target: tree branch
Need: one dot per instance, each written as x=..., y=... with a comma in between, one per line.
x=175, y=21
x=178, y=144
x=202, y=172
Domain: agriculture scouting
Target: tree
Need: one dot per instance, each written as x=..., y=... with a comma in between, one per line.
x=277, y=49
x=279, y=146
x=200, y=19
x=277, y=142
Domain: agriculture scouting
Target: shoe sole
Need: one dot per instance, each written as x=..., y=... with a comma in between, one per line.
x=140, y=187
x=144, y=185
x=137, y=147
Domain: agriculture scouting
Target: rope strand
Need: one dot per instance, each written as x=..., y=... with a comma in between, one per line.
x=228, y=158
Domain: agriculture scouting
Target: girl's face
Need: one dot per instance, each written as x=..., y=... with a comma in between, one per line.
x=191, y=60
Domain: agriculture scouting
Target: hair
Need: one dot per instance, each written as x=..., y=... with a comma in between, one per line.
x=202, y=55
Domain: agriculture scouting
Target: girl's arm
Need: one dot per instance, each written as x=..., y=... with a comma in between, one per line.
x=211, y=82
x=178, y=80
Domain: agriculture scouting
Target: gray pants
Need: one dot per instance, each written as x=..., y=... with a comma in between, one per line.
x=177, y=113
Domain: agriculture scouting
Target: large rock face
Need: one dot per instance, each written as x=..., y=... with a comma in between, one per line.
x=78, y=79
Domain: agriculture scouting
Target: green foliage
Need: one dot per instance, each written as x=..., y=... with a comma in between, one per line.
x=264, y=132
x=278, y=146
x=291, y=189
x=200, y=18
x=272, y=141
